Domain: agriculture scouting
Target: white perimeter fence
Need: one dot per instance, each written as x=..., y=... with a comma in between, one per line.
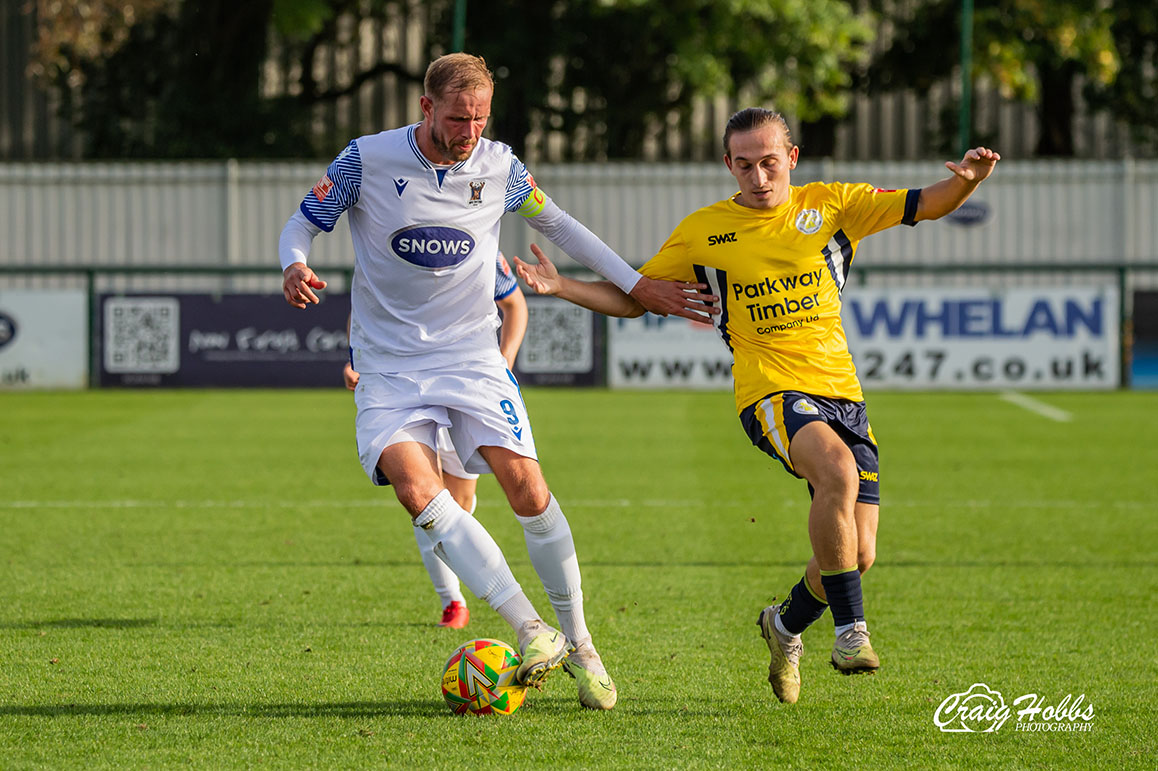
x=231, y=213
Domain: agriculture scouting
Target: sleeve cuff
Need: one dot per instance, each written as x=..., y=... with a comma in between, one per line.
x=912, y=198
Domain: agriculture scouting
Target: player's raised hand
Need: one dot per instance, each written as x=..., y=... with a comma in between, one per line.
x=543, y=277
x=298, y=285
x=977, y=164
x=675, y=298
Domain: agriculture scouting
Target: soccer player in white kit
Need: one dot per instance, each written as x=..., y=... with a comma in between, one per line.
x=424, y=204
x=462, y=483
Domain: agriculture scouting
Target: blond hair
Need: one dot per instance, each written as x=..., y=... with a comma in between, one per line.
x=456, y=72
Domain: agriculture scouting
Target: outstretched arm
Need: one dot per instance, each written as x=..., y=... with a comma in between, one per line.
x=660, y=297
x=604, y=296
x=945, y=196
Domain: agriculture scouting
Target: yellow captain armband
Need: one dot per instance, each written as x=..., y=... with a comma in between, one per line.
x=534, y=203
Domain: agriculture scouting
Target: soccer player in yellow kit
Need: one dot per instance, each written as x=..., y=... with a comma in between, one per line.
x=774, y=259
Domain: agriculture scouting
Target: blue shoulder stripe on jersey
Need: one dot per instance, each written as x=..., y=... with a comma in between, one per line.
x=323, y=206
x=505, y=283
x=519, y=187
x=912, y=198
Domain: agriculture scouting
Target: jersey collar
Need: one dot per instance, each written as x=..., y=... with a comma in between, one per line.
x=412, y=140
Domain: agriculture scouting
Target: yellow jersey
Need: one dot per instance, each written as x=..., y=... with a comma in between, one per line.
x=779, y=274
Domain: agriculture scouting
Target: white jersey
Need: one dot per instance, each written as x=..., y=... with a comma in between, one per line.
x=424, y=238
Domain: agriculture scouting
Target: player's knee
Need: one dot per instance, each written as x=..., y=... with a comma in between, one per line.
x=525, y=487
x=530, y=502
x=415, y=496
x=841, y=483
x=865, y=557
x=834, y=474
x=529, y=495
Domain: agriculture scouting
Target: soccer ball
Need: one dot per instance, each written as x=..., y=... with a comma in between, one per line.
x=479, y=678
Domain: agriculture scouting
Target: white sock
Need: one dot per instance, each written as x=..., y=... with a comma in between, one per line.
x=518, y=612
x=848, y=627
x=444, y=580
x=552, y=551
x=465, y=545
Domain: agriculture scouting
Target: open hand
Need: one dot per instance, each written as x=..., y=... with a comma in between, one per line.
x=543, y=277
x=977, y=164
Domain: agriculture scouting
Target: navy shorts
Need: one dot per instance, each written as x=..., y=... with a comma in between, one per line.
x=772, y=422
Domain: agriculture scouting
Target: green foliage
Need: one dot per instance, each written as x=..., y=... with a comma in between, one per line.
x=183, y=78
x=1012, y=35
x=206, y=579
x=612, y=69
x=1133, y=95
x=301, y=19
x=1033, y=50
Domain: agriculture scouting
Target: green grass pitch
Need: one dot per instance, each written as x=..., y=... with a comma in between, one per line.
x=206, y=579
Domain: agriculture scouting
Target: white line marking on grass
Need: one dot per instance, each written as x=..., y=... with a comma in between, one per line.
x=1033, y=405
x=617, y=503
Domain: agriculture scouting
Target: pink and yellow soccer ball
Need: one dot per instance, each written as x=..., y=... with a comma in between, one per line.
x=479, y=679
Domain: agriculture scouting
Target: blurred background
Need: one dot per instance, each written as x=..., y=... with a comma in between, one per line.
x=583, y=80
x=158, y=146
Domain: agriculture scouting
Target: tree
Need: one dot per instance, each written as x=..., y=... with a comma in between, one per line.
x=611, y=70
x=1033, y=50
x=1133, y=95
x=182, y=78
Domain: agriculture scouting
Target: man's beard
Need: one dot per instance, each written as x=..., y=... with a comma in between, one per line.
x=448, y=151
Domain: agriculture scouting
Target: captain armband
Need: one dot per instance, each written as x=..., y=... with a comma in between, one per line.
x=534, y=204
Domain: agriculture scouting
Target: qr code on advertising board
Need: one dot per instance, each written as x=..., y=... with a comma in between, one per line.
x=559, y=338
x=142, y=334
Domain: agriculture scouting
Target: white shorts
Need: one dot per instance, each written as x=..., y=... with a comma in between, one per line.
x=478, y=403
x=448, y=457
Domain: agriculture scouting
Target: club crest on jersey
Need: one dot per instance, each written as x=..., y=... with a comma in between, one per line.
x=805, y=407
x=809, y=221
x=432, y=246
x=476, y=189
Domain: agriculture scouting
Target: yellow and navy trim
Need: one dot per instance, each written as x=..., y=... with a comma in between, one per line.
x=766, y=428
x=717, y=281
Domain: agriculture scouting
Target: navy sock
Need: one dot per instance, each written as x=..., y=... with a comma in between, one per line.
x=844, y=596
x=801, y=608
